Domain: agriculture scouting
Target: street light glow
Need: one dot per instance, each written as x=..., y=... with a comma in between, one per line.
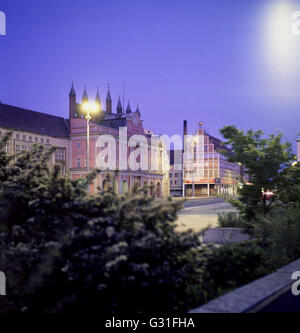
x=91, y=107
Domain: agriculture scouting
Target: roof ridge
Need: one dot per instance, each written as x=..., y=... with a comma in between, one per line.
x=20, y=108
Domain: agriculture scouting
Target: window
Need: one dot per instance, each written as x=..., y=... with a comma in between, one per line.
x=176, y=175
x=17, y=147
x=36, y=139
x=42, y=140
x=24, y=137
x=60, y=154
x=48, y=141
x=30, y=138
x=23, y=147
x=78, y=162
x=18, y=136
x=78, y=145
x=171, y=182
x=7, y=148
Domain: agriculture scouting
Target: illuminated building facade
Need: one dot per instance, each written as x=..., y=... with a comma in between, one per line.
x=108, y=123
x=206, y=171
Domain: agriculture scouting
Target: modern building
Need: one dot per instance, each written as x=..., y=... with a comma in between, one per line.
x=69, y=136
x=205, y=170
x=176, y=173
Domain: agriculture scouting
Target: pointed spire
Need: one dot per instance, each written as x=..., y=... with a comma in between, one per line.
x=98, y=99
x=138, y=110
x=85, y=95
x=108, y=101
x=119, y=107
x=108, y=97
x=128, y=109
x=72, y=91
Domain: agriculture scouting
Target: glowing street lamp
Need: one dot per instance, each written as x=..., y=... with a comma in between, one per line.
x=89, y=109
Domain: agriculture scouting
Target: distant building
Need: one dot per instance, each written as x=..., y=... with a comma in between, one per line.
x=205, y=170
x=298, y=149
x=175, y=174
x=30, y=127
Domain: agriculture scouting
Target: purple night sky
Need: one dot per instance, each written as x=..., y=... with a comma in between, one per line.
x=219, y=61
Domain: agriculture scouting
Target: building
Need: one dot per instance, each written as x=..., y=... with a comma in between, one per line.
x=106, y=122
x=30, y=127
x=175, y=174
x=69, y=136
x=205, y=171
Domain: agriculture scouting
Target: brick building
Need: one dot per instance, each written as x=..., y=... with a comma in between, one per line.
x=30, y=127
x=107, y=122
x=70, y=138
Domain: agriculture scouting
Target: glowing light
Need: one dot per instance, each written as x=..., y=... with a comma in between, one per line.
x=91, y=107
x=280, y=44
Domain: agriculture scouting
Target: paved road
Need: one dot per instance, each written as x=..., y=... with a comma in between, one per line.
x=201, y=213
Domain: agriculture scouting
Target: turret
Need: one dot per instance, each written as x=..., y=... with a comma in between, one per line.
x=85, y=97
x=128, y=109
x=119, y=107
x=72, y=102
x=108, y=102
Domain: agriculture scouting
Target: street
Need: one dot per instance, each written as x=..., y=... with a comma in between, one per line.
x=200, y=213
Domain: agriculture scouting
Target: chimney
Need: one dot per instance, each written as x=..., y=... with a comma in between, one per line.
x=184, y=134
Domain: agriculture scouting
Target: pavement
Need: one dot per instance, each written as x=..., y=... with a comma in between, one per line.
x=201, y=213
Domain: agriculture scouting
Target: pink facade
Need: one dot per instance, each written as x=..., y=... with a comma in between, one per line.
x=109, y=124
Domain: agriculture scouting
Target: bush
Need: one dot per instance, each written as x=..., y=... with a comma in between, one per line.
x=63, y=250
x=231, y=266
x=230, y=220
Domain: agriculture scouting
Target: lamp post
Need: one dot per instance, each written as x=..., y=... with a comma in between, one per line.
x=89, y=108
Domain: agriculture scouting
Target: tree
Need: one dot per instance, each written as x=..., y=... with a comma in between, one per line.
x=64, y=250
x=264, y=159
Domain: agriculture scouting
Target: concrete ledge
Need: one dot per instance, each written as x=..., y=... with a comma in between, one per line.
x=250, y=296
x=224, y=235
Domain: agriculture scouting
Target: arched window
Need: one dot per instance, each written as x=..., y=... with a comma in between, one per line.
x=105, y=185
x=158, y=190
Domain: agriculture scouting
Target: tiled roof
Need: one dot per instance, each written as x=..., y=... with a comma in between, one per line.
x=114, y=123
x=32, y=121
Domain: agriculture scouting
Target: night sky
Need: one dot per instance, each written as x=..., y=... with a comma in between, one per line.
x=218, y=61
